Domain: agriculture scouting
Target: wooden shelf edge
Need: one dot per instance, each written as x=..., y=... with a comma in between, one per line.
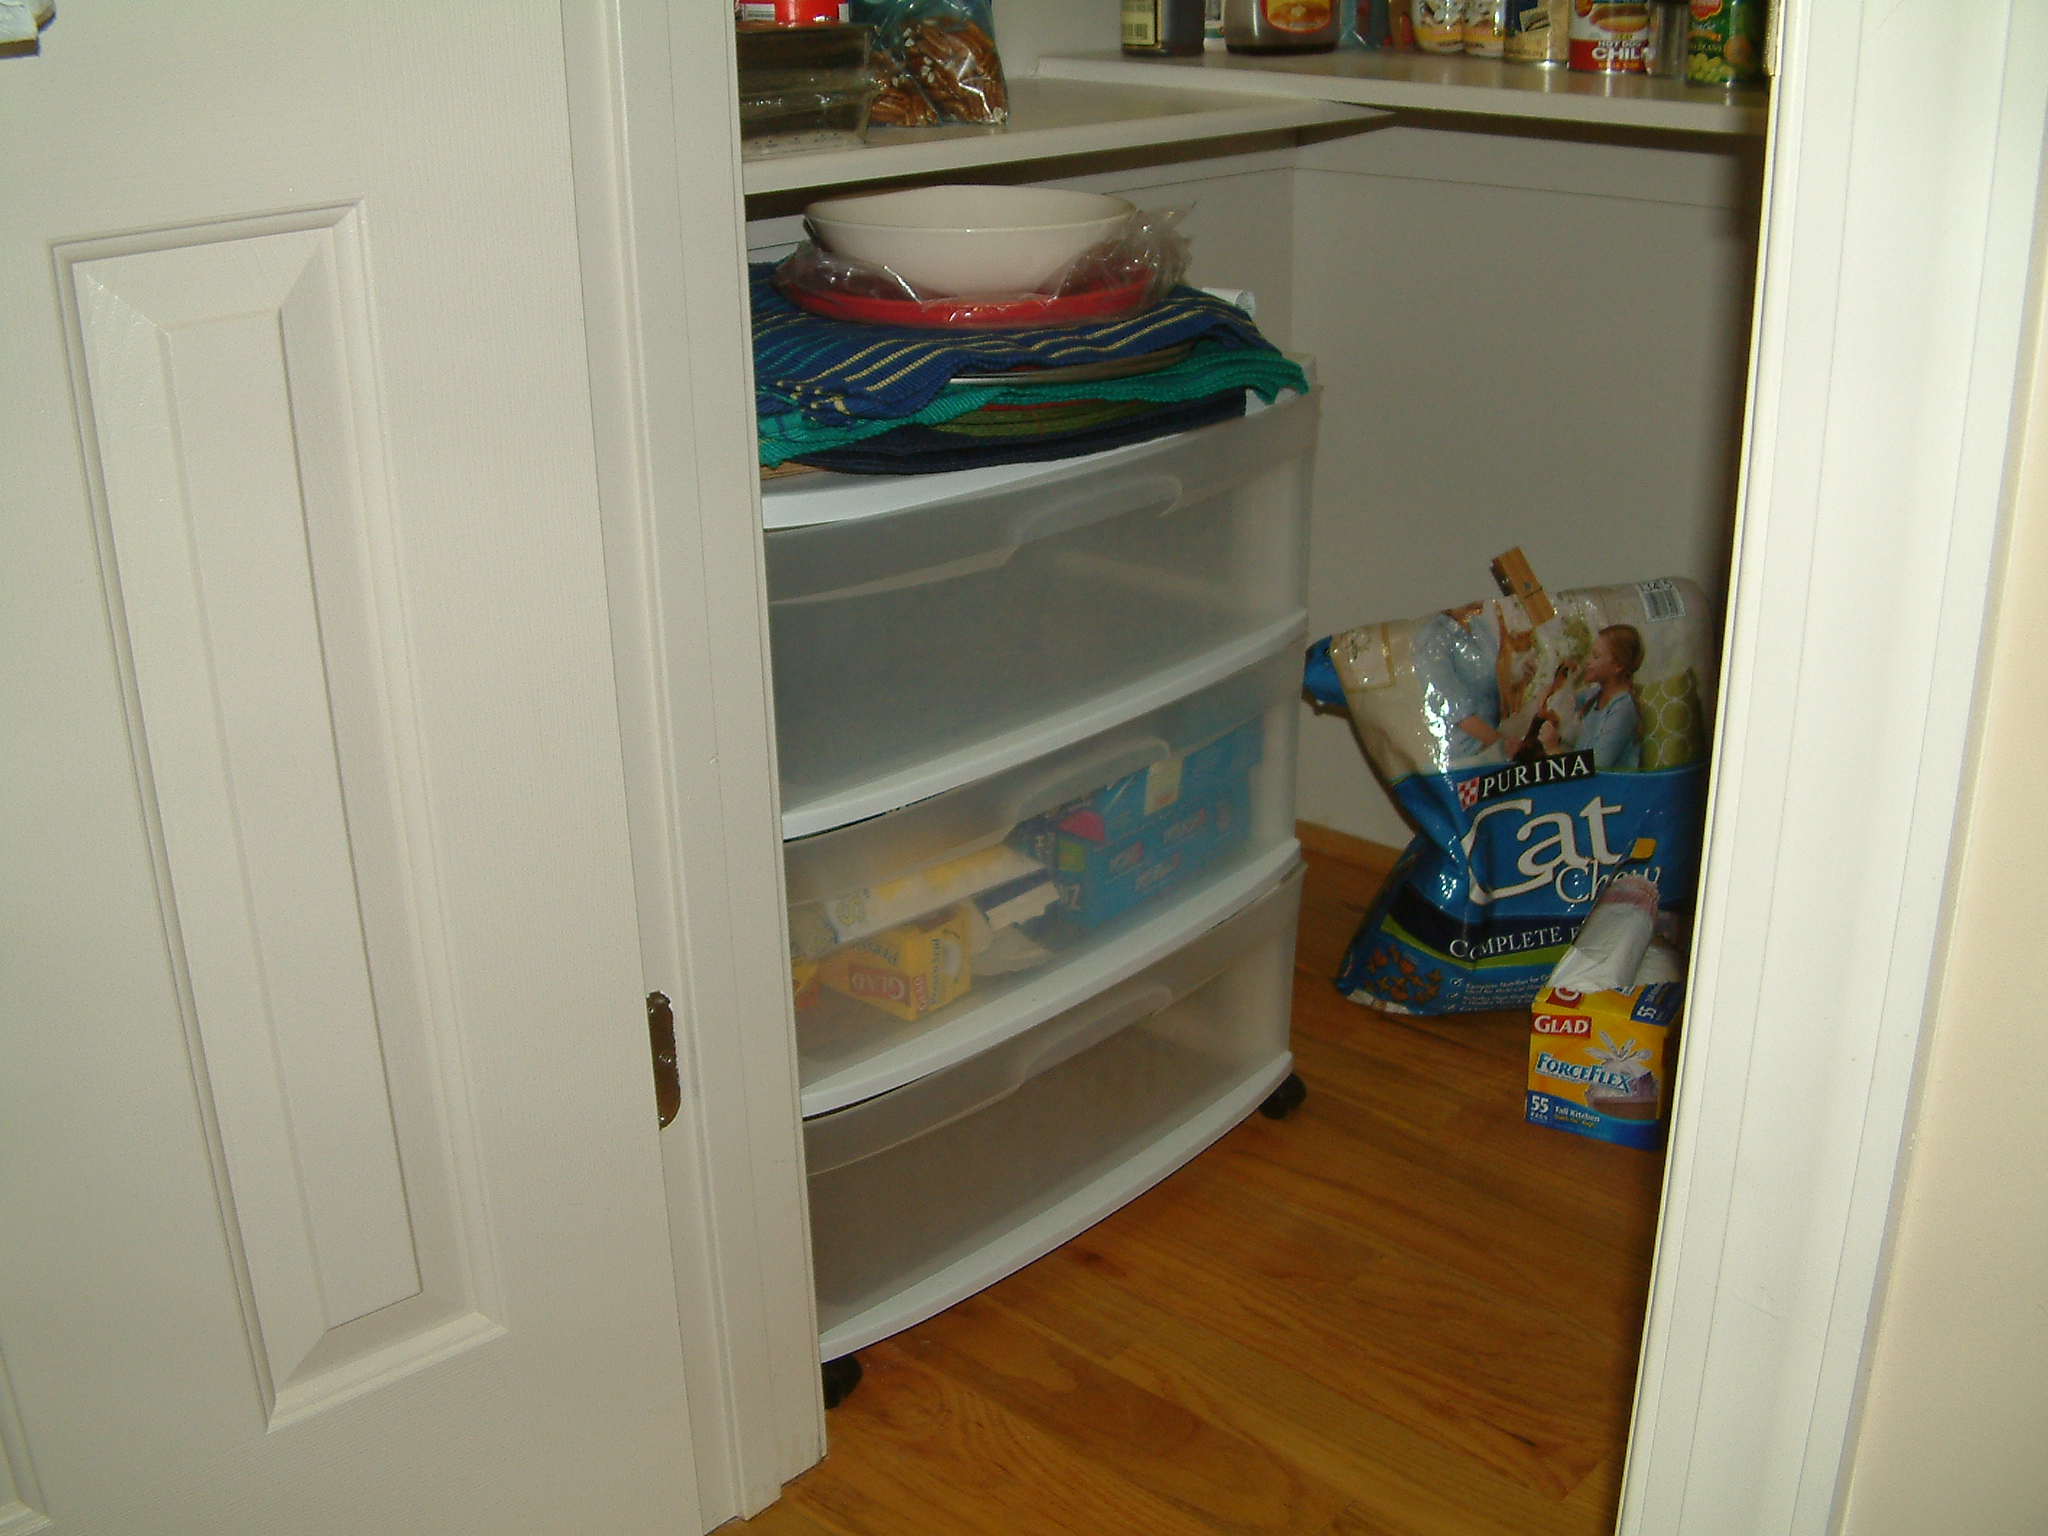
x=1472, y=87
x=1120, y=123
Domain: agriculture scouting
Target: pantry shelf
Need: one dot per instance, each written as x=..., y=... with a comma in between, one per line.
x=1420, y=82
x=1050, y=119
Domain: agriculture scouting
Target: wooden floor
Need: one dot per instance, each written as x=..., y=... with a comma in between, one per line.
x=1402, y=1310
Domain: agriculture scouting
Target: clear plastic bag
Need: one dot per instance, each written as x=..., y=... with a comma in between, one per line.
x=1136, y=267
x=937, y=62
x=802, y=88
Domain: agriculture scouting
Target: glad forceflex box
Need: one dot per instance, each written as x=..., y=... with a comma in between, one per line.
x=1599, y=1062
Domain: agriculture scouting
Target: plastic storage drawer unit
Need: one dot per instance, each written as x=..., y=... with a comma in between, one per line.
x=922, y=1196
x=919, y=649
x=1165, y=824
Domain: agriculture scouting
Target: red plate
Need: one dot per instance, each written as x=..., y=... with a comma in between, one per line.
x=974, y=314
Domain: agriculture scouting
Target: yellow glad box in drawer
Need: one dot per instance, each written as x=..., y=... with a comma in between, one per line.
x=909, y=970
x=1599, y=1062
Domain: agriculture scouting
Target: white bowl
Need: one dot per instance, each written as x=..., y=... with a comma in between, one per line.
x=970, y=241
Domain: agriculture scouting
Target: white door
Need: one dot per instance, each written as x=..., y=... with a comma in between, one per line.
x=330, y=1196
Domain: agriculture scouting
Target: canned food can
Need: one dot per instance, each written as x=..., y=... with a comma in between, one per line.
x=1280, y=26
x=1537, y=32
x=1670, y=34
x=1610, y=39
x=1439, y=25
x=1727, y=45
x=1486, y=27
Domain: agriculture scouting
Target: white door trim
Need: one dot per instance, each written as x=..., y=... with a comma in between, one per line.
x=662, y=228
x=1904, y=169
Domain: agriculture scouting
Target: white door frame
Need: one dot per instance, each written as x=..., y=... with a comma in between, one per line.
x=1894, y=279
x=662, y=227
x=1905, y=156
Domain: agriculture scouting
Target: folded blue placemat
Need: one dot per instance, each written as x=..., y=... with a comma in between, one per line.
x=921, y=450
x=1211, y=368
x=833, y=373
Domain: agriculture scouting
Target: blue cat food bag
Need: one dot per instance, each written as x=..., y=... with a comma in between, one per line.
x=1537, y=762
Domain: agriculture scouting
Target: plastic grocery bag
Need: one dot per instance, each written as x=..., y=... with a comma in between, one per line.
x=937, y=62
x=1538, y=762
x=1144, y=257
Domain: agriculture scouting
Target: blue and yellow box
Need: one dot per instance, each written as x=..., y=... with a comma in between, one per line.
x=1600, y=1062
x=1117, y=810
x=1103, y=880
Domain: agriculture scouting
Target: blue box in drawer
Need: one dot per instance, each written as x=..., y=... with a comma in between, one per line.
x=1117, y=810
x=1103, y=880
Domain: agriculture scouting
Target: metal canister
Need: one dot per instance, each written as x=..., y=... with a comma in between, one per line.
x=1727, y=43
x=1538, y=32
x=1610, y=38
x=1280, y=26
x=1670, y=33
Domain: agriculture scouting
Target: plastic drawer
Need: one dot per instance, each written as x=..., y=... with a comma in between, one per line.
x=849, y=1049
x=920, y=649
x=924, y=1195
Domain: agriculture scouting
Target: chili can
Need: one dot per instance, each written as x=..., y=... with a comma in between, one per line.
x=1610, y=39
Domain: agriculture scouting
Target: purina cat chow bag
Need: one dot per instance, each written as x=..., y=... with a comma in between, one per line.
x=1541, y=745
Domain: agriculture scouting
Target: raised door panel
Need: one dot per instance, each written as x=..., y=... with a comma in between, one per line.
x=226, y=370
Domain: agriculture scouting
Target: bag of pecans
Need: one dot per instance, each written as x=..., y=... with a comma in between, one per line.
x=936, y=61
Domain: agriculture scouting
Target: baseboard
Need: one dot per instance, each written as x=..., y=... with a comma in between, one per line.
x=1332, y=844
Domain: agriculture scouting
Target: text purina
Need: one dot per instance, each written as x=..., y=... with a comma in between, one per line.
x=1514, y=777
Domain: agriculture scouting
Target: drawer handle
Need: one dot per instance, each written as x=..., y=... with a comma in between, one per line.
x=1154, y=494
x=1119, y=1010
x=1091, y=773
x=856, y=1133
x=924, y=576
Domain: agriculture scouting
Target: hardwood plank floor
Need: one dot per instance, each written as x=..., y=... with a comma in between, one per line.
x=1402, y=1311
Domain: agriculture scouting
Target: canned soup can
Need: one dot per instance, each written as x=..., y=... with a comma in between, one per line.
x=1727, y=44
x=1610, y=39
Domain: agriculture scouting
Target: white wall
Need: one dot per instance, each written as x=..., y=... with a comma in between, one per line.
x=1955, y=1419
x=1029, y=29
x=1522, y=341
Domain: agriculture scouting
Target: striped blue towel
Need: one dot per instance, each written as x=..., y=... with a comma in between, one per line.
x=835, y=372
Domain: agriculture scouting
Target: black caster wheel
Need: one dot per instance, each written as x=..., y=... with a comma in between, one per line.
x=1284, y=1100
x=841, y=1377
